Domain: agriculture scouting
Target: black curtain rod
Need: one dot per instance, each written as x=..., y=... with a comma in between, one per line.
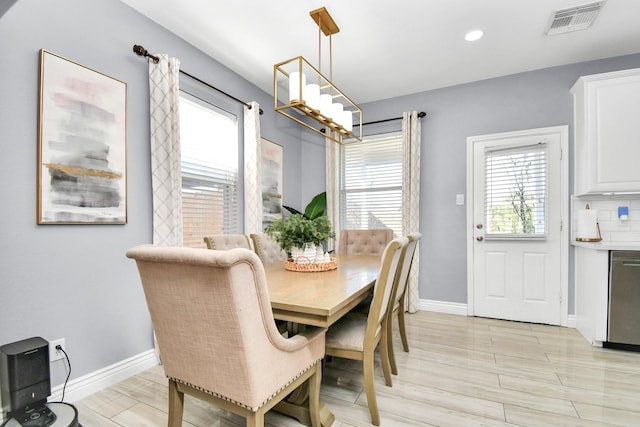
x=141, y=51
x=421, y=114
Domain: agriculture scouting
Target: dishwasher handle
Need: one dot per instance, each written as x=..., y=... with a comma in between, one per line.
x=630, y=258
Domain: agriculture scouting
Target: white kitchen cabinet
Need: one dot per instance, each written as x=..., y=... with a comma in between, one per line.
x=607, y=132
x=592, y=293
x=591, y=265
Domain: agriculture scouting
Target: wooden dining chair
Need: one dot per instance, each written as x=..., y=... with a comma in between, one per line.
x=396, y=305
x=364, y=242
x=215, y=329
x=356, y=337
x=225, y=242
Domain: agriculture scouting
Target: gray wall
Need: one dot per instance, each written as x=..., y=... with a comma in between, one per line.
x=74, y=281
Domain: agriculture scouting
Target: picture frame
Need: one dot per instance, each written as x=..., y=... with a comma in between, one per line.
x=82, y=144
x=272, y=167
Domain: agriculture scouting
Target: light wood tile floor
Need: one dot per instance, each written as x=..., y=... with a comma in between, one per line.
x=460, y=371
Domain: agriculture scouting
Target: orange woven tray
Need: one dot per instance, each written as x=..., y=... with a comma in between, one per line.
x=291, y=265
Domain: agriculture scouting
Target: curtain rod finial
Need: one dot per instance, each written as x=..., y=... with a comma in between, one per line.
x=141, y=51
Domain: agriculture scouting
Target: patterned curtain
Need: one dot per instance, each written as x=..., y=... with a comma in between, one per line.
x=166, y=176
x=411, y=188
x=165, y=151
x=252, y=170
x=332, y=161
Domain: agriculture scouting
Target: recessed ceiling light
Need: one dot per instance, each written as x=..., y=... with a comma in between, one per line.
x=474, y=35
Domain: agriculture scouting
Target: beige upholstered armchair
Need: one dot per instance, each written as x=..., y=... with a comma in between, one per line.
x=224, y=242
x=268, y=250
x=364, y=242
x=215, y=329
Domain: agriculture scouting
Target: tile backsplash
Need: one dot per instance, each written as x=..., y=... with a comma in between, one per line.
x=611, y=228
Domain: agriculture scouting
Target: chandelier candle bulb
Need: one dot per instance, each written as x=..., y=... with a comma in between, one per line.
x=294, y=85
x=347, y=120
x=336, y=112
x=312, y=96
x=325, y=105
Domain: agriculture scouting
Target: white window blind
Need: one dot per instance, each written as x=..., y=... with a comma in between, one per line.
x=371, y=183
x=516, y=192
x=209, y=144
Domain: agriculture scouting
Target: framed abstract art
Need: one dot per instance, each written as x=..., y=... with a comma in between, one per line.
x=82, y=144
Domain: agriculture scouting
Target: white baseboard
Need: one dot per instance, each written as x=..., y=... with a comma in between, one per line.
x=443, y=307
x=81, y=387
x=461, y=309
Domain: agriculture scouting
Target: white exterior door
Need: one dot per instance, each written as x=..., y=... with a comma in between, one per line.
x=518, y=241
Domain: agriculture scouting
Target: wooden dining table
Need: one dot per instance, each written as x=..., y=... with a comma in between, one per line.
x=321, y=298
x=318, y=299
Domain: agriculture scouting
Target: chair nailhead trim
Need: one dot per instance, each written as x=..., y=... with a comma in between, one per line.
x=242, y=404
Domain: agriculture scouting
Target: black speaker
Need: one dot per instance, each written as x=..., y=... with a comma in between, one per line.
x=24, y=375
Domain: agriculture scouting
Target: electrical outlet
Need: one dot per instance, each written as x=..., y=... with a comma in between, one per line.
x=56, y=354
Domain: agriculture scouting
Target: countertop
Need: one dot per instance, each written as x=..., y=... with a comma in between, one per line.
x=608, y=245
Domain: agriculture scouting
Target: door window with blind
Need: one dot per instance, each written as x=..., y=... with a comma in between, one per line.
x=209, y=144
x=371, y=183
x=516, y=192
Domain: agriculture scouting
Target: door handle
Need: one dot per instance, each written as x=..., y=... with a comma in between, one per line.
x=479, y=226
x=479, y=238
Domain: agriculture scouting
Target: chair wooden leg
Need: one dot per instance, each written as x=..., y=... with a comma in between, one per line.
x=403, y=329
x=255, y=419
x=176, y=405
x=314, y=396
x=392, y=354
x=368, y=367
x=384, y=359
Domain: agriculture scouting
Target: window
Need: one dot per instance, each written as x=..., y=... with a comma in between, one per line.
x=516, y=192
x=371, y=183
x=209, y=144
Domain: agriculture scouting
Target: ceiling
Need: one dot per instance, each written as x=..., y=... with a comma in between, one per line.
x=392, y=48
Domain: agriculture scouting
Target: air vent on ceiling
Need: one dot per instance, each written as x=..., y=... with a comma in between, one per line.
x=573, y=19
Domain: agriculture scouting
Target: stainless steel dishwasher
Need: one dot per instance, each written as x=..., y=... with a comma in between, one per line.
x=624, y=300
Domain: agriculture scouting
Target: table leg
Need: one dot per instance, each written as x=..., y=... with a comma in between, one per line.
x=296, y=405
x=301, y=413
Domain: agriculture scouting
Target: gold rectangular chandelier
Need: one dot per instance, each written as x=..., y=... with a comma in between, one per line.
x=302, y=90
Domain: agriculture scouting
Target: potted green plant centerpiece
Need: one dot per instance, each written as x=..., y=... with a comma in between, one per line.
x=302, y=235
